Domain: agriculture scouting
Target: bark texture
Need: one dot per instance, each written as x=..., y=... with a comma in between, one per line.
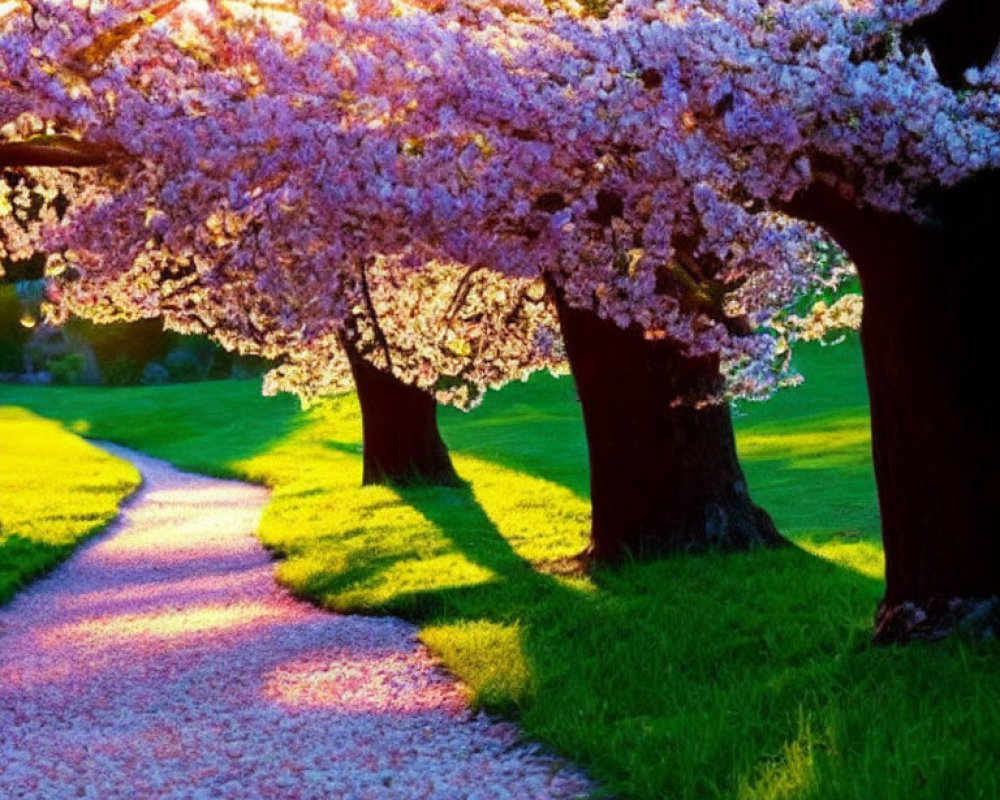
x=664, y=475
x=929, y=348
x=402, y=443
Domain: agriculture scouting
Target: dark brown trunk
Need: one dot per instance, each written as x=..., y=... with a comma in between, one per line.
x=928, y=296
x=664, y=476
x=961, y=34
x=928, y=352
x=402, y=444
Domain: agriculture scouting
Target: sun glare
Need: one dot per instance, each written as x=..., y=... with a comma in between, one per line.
x=9, y=6
x=173, y=624
x=358, y=684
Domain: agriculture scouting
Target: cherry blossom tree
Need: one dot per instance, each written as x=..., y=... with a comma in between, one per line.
x=414, y=338
x=926, y=272
x=643, y=158
x=438, y=334
x=879, y=121
x=278, y=313
x=422, y=155
x=634, y=163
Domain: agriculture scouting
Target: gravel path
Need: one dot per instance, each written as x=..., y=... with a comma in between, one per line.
x=162, y=661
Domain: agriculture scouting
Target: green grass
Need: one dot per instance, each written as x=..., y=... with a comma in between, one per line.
x=713, y=676
x=56, y=490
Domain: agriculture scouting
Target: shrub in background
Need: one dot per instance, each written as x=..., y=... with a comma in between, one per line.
x=121, y=371
x=188, y=363
x=153, y=374
x=140, y=342
x=68, y=369
x=117, y=354
x=248, y=367
x=13, y=334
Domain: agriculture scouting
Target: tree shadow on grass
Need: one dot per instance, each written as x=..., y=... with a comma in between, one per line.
x=534, y=428
x=471, y=533
x=809, y=434
x=715, y=675
x=349, y=448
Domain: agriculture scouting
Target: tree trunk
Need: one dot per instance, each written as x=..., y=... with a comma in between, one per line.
x=928, y=294
x=959, y=35
x=402, y=444
x=664, y=476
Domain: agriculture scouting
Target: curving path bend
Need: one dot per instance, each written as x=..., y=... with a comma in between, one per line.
x=162, y=662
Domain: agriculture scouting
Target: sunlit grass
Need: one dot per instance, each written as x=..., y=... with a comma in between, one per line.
x=55, y=491
x=492, y=656
x=714, y=676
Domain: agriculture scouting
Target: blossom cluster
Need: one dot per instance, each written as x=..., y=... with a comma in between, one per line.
x=261, y=153
x=450, y=330
x=822, y=318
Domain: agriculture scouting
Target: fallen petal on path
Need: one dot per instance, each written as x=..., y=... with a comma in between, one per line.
x=163, y=662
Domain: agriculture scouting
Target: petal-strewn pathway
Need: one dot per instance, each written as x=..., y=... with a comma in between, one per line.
x=162, y=661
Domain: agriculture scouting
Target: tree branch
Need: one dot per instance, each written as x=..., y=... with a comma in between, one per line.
x=370, y=307
x=91, y=58
x=52, y=151
x=961, y=34
x=461, y=293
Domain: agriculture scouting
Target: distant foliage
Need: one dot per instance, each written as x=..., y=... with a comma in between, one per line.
x=13, y=334
x=115, y=354
x=121, y=371
x=186, y=364
x=154, y=374
x=67, y=369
